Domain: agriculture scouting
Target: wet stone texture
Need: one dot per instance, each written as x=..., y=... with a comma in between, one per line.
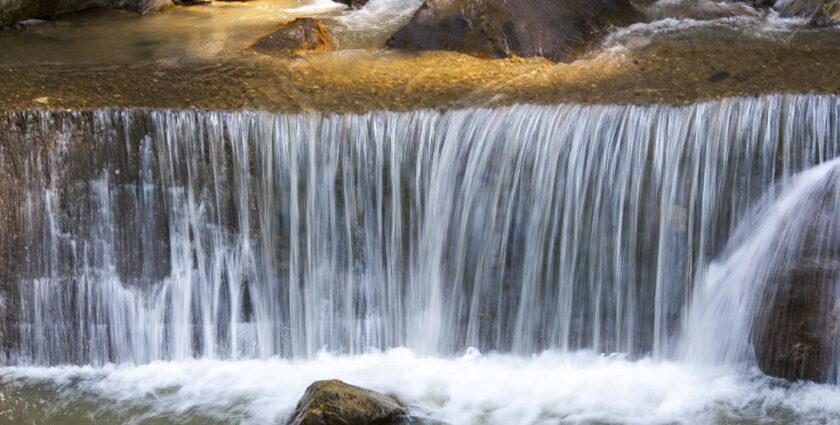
x=555, y=29
x=44, y=176
x=336, y=403
x=796, y=332
x=294, y=38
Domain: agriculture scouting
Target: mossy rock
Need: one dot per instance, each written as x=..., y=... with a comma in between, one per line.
x=335, y=403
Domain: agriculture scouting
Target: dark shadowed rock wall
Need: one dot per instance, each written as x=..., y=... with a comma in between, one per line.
x=555, y=29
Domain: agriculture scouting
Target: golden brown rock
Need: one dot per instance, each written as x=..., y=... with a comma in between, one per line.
x=336, y=403
x=295, y=38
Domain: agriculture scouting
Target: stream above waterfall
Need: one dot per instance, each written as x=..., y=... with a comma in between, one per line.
x=199, y=57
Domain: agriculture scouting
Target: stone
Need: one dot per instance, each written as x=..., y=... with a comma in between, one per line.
x=12, y=11
x=146, y=7
x=808, y=8
x=827, y=15
x=334, y=402
x=294, y=38
x=555, y=29
x=698, y=9
x=353, y=4
x=796, y=333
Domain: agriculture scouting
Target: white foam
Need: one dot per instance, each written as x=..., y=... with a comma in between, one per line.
x=473, y=389
x=382, y=14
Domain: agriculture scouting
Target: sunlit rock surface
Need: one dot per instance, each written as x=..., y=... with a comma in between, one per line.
x=295, y=38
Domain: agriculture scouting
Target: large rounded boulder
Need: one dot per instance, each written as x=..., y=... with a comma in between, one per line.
x=554, y=29
x=12, y=11
x=336, y=403
x=796, y=334
x=294, y=38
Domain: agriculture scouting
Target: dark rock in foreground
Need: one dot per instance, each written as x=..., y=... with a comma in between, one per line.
x=796, y=333
x=336, y=403
x=12, y=11
x=554, y=29
x=293, y=38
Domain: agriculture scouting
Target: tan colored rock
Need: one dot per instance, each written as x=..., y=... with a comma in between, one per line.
x=295, y=38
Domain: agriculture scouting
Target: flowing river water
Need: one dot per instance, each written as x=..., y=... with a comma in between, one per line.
x=526, y=264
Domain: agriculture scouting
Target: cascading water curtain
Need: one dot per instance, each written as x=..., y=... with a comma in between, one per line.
x=169, y=235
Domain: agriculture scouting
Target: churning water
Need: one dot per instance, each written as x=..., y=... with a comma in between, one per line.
x=261, y=251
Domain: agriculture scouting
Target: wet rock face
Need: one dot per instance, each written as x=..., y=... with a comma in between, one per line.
x=796, y=333
x=554, y=29
x=820, y=12
x=698, y=9
x=791, y=8
x=828, y=14
x=353, y=4
x=12, y=11
x=294, y=38
x=336, y=403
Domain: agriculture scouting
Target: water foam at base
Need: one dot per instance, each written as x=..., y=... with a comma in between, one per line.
x=549, y=388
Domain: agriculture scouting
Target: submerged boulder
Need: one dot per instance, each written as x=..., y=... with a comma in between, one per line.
x=554, y=29
x=820, y=12
x=796, y=333
x=293, y=38
x=353, y=4
x=827, y=15
x=336, y=403
x=698, y=9
x=12, y=11
x=145, y=7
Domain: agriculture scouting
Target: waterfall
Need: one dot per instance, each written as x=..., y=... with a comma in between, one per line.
x=166, y=235
x=791, y=240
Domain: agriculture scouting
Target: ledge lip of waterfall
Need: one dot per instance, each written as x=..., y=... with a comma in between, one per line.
x=441, y=109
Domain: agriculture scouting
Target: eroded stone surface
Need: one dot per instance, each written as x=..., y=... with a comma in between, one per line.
x=336, y=403
x=295, y=38
x=554, y=29
x=796, y=332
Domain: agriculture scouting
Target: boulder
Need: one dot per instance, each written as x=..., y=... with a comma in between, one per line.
x=353, y=4
x=554, y=29
x=294, y=38
x=827, y=15
x=336, y=403
x=808, y=8
x=698, y=9
x=12, y=11
x=146, y=7
x=796, y=335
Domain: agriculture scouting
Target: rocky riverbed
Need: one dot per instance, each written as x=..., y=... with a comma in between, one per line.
x=667, y=61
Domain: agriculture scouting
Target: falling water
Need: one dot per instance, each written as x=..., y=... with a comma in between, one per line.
x=166, y=235
x=789, y=248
